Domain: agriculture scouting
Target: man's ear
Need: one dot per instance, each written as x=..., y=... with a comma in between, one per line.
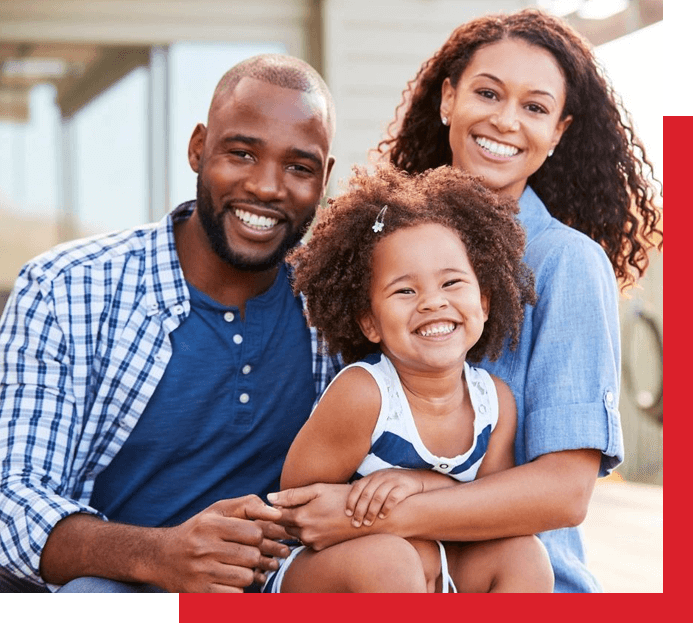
x=330, y=165
x=196, y=147
x=368, y=328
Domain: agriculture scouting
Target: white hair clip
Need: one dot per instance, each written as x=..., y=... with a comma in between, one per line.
x=379, y=224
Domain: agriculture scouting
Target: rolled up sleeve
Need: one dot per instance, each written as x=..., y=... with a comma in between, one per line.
x=573, y=377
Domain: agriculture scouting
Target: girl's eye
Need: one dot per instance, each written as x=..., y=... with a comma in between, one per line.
x=405, y=291
x=452, y=282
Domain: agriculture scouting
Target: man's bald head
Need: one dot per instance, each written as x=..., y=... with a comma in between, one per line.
x=282, y=71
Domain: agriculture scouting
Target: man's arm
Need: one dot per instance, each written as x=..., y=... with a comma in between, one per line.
x=551, y=492
x=217, y=550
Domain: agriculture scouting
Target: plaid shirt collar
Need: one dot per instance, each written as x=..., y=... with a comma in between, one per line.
x=165, y=283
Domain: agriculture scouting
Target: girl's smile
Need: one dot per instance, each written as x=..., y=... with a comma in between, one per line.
x=427, y=309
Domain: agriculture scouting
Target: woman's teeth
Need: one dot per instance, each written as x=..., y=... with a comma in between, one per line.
x=255, y=221
x=437, y=329
x=497, y=149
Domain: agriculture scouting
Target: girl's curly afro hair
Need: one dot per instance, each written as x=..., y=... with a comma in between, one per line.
x=333, y=270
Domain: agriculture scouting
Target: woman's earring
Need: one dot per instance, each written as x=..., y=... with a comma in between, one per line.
x=550, y=152
x=445, y=120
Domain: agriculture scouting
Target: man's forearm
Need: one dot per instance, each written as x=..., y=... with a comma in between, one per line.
x=83, y=545
x=223, y=548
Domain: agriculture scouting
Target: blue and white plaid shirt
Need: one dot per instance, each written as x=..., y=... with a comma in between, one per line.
x=84, y=341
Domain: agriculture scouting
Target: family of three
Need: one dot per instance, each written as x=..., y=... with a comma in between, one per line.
x=424, y=393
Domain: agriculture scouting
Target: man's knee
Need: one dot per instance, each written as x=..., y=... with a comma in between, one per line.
x=103, y=585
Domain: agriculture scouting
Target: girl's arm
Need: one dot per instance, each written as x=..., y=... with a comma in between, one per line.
x=377, y=494
x=337, y=436
x=500, y=453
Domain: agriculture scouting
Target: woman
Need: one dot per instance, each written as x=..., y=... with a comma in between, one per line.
x=519, y=100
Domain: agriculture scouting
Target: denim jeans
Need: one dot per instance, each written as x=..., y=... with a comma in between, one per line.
x=12, y=584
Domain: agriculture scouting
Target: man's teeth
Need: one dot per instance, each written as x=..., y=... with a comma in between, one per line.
x=253, y=220
x=437, y=329
x=497, y=149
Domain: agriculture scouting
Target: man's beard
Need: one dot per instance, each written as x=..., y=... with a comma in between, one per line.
x=213, y=225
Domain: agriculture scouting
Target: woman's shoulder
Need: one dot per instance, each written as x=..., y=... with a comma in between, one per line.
x=561, y=239
x=560, y=251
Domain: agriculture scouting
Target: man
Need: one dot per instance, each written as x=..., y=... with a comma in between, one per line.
x=157, y=377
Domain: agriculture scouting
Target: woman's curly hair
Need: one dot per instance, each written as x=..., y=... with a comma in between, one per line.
x=333, y=270
x=598, y=181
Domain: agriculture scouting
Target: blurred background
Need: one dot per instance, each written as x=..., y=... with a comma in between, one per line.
x=98, y=100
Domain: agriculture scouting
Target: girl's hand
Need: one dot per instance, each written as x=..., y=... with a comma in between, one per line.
x=377, y=494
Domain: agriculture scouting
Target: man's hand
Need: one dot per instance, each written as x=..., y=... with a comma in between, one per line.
x=315, y=514
x=376, y=494
x=222, y=549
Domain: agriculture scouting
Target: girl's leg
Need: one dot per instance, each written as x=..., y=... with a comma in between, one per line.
x=429, y=553
x=379, y=563
x=512, y=565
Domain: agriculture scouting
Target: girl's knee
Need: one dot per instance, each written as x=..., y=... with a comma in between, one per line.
x=526, y=557
x=510, y=565
x=390, y=564
x=429, y=554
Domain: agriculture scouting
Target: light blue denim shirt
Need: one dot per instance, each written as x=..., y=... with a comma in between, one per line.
x=565, y=373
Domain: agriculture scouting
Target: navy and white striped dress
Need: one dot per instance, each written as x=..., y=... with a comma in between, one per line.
x=395, y=441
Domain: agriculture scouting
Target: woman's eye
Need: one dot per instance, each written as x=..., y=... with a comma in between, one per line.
x=487, y=93
x=536, y=108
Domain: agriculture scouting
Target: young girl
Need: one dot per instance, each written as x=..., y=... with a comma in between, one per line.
x=411, y=277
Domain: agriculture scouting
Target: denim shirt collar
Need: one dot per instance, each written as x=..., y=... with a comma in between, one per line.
x=533, y=215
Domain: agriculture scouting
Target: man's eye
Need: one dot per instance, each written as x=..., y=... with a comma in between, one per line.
x=300, y=168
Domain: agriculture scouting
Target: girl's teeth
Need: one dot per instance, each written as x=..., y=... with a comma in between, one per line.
x=497, y=149
x=437, y=330
x=253, y=220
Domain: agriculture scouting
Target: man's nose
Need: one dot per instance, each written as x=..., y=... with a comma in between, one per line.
x=266, y=182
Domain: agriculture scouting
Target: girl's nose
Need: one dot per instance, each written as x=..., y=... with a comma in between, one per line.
x=433, y=301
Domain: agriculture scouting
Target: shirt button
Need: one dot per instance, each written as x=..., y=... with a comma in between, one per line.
x=609, y=398
x=244, y=398
x=178, y=310
x=229, y=316
x=246, y=369
x=238, y=338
